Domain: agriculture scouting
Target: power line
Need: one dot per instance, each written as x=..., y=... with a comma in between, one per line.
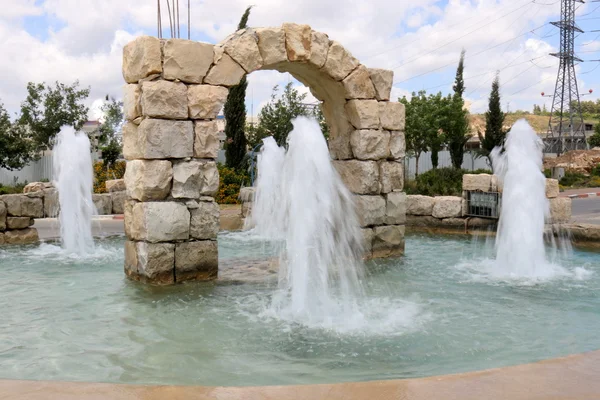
x=525, y=88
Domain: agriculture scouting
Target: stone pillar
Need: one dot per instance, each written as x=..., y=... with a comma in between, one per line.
x=17, y=213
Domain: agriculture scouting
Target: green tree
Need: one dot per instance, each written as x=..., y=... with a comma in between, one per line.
x=418, y=125
x=437, y=107
x=494, y=121
x=235, y=116
x=456, y=123
x=110, y=131
x=594, y=140
x=459, y=82
x=15, y=144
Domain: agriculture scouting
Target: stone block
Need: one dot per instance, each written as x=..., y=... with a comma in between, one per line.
x=115, y=185
x=156, y=262
x=360, y=177
x=205, y=220
x=370, y=210
x=271, y=45
x=131, y=144
x=367, y=235
x=363, y=114
x=552, y=189
x=148, y=179
x=21, y=236
x=195, y=178
x=130, y=258
x=392, y=176
x=164, y=99
x=225, y=72
x=196, y=260
x=298, y=39
x=160, y=138
x=368, y=144
x=358, y=84
x=141, y=58
x=247, y=194
x=395, y=208
x=186, y=60
x=246, y=209
x=2, y=216
x=159, y=221
x=319, y=49
x=339, y=62
x=243, y=48
x=132, y=102
x=391, y=115
x=51, y=204
x=22, y=205
x=382, y=81
x=419, y=205
x=388, y=241
x=560, y=210
x=118, y=202
x=103, y=203
x=128, y=217
x=231, y=222
x=205, y=101
x=206, y=139
x=481, y=182
x=447, y=207
x=423, y=221
x=397, y=145
x=34, y=187
x=18, y=222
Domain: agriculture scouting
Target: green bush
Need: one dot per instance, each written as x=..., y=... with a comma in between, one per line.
x=572, y=179
x=12, y=189
x=596, y=170
x=478, y=171
x=230, y=182
x=103, y=174
x=438, y=182
x=548, y=173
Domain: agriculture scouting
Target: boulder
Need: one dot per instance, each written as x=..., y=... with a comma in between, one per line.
x=392, y=176
x=196, y=260
x=397, y=145
x=358, y=84
x=148, y=179
x=243, y=48
x=186, y=60
x=205, y=101
x=225, y=72
x=388, y=241
x=319, y=49
x=2, y=216
x=367, y=234
x=480, y=182
x=115, y=185
x=36, y=187
x=206, y=139
x=363, y=114
x=360, y=177
x=51, y=204
x=419, y=205
x=159, y=221
x=156, y=261
x=552, y=189
x=395, y=208
x=205, y=220
x=369, y=144
x=141, y=58
x=195, y=178
x=160, y=138
x=382, y=81
x=370, y=210
x=247, y=194
x=271, y=45
x=118, y=202
x=298, y=39
x=560, y=210
x=21, y=236
x=339, y=62
x=22, y=205
x=447, y=207
x=164, y=99
x=391, y=115
x=18, y=222
x=103, y=203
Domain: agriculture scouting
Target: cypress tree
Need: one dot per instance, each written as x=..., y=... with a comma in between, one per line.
x=459, y=82
x=494, y=120
x=457, y=127
x=235, y=116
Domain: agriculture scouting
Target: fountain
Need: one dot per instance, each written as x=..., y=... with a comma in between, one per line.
x=73, y=177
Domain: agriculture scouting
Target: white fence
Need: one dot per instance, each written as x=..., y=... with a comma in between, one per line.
x=469, y=163
x=34, y=172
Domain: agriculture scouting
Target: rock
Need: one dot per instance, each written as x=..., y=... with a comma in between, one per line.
x=21, y=236
x=447, y=207
x=367, y=234
x=243, y=48
x=382, y=81
x=392, y=176
x=339, y=62
x=370, y=210
x=159, y=221
x=18, y=222
x=388, y=241
x=419, y=205
x=205, y=101
x=246, y=209
x=298, y=39
x=131, y=144
x=206, y=139
x=196, y=260
x=131, y=261
x=51, y=204
x=358, y=84
x=226, y=72
x=363, y=114
x=115, y=185
x=21, y=205
x=231, y=222
x=247, y=194
x=481, y=182
x=103, y=203
x=395, y=208
x=205, y=221
x=361, y=177
x=118, y=202
x=585, y=232
x=397, y=145
x=2, y=216
x=370, y=144
x=160, y=138
x=36, y=187
x=164, y=99
x=128, y=217
x=195, y=178
x=2, y=238
x=391, y=115
x=186, y=60
x=423, y=221
x=319, y=49
x=141, y=58
x=148, y=179
x=271, y=45
x=560, y=210
x=156, y=261
x=552, y=189
x=454, y=222
x=132, y=102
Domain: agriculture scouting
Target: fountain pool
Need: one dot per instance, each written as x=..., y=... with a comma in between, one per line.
x=435, y=311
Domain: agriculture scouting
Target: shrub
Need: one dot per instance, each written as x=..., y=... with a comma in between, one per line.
x=439, y=182
x=548, y=173
x=103, y=174
x=478, y=171
x=12, y=189
x=596, y=170
x=573, y=179
x=230, y=182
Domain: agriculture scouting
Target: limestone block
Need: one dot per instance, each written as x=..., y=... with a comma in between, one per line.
x=243, y=48
x=196, y=260
x=363, y=114
x=206, y=139
x=156, y=261
x=118, y=202
x=247, y=194
x=370, y=144
x=18, y=222
x=339, y=62
x=131, y=147
x=128, y=217
x=205, y=101
x=2, y=216
x=159, y=222
x=186, y=60
x=115, y=185
x=391, y=115
x=131, y=261
x=419, y=205
x=560, y=210
x=164, y=99
x=388, y=241
x=298, y=39
x=271, y=45
x=397, y=145
x=358, y=84
x=21, y=205
x=426, y=221
x=103, y=203
x=481, y=182
x=51, y=204
x=392, y=176
x=205, y=220
x=246, y=209
x=370, y=210
x=225, y=72
x=367, y=234
x=195, y=178
x=148, y=179
x=37, y=187
x=552, y=189
x=160, y=138
x=2, y=238
x=382, y=81
x=319, y=49
x=141, y=58
x=395, y=208
x=447, y=207
x=360, y=177
x=132, y=102
x=21, y=236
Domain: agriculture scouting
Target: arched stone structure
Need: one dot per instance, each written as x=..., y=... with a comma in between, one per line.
x=176, y=87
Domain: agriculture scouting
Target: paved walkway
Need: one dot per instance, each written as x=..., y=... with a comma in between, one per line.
x=581, y=193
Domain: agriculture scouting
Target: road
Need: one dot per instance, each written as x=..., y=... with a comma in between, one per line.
x=586, y=210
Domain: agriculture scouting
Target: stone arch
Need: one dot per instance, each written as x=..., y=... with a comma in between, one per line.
x=175, y=89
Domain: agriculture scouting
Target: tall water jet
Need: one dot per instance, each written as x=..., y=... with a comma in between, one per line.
x=73, y=178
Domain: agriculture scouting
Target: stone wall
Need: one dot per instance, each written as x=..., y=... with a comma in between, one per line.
x=175, y=89
x=17, y=213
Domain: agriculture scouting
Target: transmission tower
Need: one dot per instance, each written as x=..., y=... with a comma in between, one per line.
x=566, y=130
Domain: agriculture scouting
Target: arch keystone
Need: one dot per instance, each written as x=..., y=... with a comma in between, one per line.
x=271, y=45
x=298, y=39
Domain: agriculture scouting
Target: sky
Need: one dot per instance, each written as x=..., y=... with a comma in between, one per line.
x=421, y=41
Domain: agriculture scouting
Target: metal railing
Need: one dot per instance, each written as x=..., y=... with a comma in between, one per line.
x=483, y=204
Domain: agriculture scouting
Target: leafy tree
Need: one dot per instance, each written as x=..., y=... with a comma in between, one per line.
x=494, y=121
x=15, y=145
x=438, y=108
x=456, y=124
x=459, y=82
x=594, y=140
x=418, y=125
x=235, y=116
x=109, y=138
